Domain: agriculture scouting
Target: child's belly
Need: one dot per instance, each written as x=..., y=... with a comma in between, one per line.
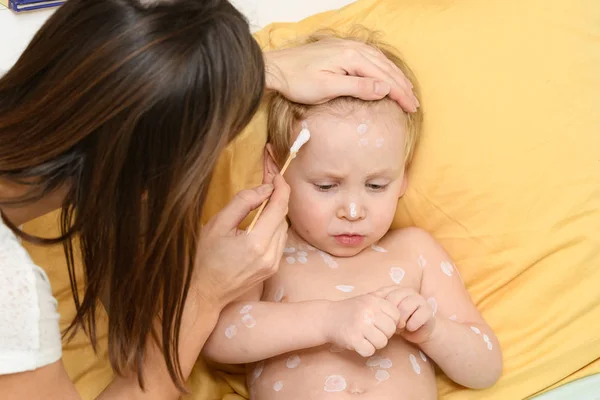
x=399, y=372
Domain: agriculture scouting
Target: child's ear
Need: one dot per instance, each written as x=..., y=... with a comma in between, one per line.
x=404, y=185
x=270, y=168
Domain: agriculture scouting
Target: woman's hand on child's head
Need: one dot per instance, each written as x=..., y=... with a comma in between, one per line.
x=417, y=318
x=229, y=262
x=318, y=72
x=362, y=324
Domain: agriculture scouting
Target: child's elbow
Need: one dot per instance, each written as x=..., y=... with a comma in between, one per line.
x=488, y=376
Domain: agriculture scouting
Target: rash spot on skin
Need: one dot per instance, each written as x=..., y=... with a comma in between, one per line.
x=415, y=364
x=279, y=295
x=378, y=249
x=345, y=288
x=231, y=331
x=249, y=321
x=246, y=309
x=382, y=375
x=293, y=361
x=397, y=274
x=362, y=129
x=335, y=383
x=447, y=268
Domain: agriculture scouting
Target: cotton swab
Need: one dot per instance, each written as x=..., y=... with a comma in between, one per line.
x=302, y=138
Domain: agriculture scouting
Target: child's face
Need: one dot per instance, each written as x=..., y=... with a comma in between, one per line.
x=347, y=179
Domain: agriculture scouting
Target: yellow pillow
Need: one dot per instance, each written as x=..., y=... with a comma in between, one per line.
x=507, y=176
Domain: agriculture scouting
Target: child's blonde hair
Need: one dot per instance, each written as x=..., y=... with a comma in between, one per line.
x=285, y=115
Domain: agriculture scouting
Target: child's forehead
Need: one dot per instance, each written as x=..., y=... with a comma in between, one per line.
x=362, y=140
x=379, y=127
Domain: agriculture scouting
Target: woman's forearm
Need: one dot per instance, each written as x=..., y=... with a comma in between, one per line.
x=197, y=325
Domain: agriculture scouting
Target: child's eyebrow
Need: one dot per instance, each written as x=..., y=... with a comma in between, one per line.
x=391, y=172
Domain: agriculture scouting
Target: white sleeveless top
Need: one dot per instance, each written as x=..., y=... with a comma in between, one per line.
x=29, y=324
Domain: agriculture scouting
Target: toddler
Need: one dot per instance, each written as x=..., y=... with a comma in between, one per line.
x=355, y=309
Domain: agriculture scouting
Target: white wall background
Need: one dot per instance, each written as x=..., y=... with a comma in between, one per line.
x=16, y=30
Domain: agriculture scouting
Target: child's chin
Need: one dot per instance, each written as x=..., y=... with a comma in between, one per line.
x=346, y=251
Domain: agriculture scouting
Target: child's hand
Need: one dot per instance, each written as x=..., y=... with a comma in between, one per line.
x=417, y=320
x=363, y=323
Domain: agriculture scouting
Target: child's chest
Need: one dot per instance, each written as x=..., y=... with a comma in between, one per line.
x=309, y=274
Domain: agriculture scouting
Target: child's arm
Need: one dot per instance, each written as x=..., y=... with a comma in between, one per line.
x=445, y=322
x=253, y=330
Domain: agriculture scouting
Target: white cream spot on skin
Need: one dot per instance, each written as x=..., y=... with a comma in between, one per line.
x=289, y=250
x=335, y=383
x=248, y=320
x=304, y=125
x=246, y=309
x=433, y=304
x=447, y=268
x=423, y=357
x=422, y=262
x=490, y=346
x=415, y=364
x=379, y=142
x=382, y=375
x=453, y=317
x=331, y=263
x=302, y=254
x=302, y=260
x=293, y=361
x=362, y=129
x=397, y=274
x=310, y=248
x=345, y=288
x=258, y=370
x=378, y=249
x=290, y=260
x=352, y=210
x=374, y=361
x=475, y=329
x=277, y=386
x=279, y=295
x=486, y=338
x=336, y=349
x=386, y=363
x=231, y=331
x=363, y=142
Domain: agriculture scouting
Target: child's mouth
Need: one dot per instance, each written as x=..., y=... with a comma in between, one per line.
x=349, y=240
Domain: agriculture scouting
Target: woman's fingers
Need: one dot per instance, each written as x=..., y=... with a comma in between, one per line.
x=238, y=208
x=356, y=86
x=394, y=73
x=367, y=66
x=275, y=211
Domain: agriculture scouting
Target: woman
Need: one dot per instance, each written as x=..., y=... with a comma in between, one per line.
x=116, y=113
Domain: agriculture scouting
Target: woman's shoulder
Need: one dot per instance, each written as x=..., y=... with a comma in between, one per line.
x=29, y=323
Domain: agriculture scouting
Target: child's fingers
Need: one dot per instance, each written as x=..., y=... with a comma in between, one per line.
x=418, y=318
x=386, y=324
x=376, y=337
x=407, y=307
x=364, y=348
x=390, y=310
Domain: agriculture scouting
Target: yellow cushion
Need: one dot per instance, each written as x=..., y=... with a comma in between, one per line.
x=507, y=176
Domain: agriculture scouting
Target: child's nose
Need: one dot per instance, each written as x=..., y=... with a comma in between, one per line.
x=351, y=211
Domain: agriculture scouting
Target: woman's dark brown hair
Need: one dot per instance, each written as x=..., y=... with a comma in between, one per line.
x=129, y=103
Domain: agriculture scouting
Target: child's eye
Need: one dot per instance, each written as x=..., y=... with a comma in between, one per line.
x=375, y=187
x=324, y=188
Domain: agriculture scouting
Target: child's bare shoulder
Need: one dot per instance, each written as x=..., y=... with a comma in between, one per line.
x=411, y=237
